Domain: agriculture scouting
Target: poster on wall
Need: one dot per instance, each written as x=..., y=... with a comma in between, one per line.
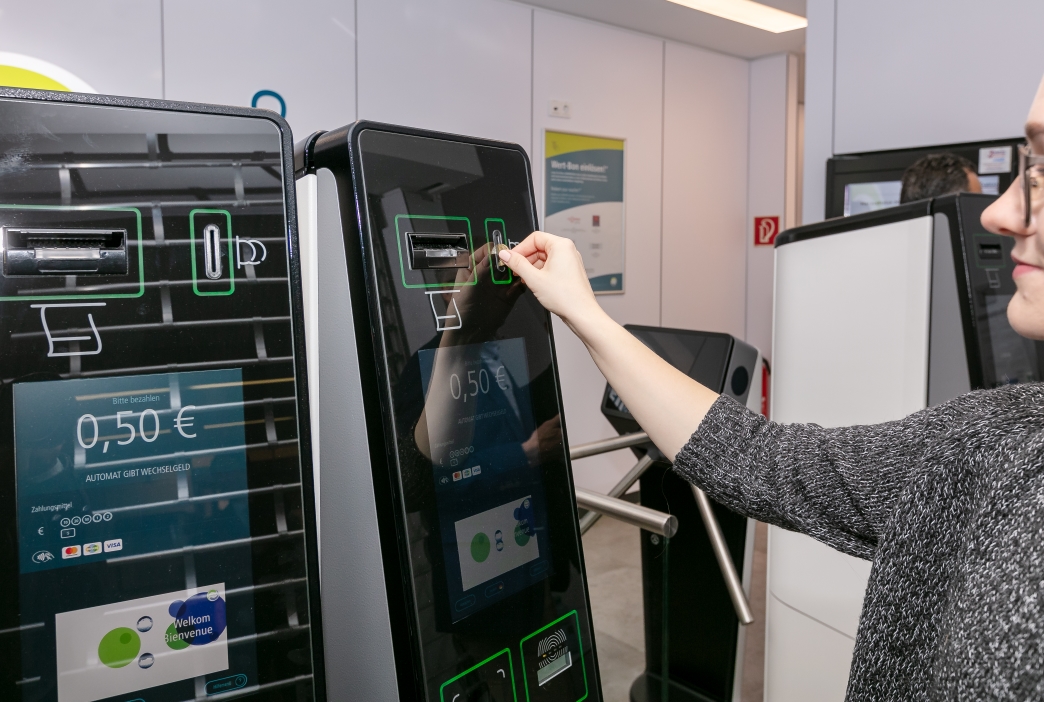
x=583, y=200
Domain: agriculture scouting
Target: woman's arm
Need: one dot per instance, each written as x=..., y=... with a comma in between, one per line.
x=668, y=404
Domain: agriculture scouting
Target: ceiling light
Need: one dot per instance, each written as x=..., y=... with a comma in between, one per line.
x=750, y=13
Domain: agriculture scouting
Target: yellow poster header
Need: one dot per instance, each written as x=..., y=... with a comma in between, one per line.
x=557, y=143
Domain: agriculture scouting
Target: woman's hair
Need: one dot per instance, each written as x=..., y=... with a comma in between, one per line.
x=934, y=175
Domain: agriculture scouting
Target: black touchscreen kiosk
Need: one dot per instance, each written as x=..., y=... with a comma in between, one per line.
x=156, y=521
x=453, y=362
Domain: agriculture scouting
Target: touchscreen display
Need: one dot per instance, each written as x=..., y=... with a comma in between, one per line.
x=118, y=471
x=484, y=447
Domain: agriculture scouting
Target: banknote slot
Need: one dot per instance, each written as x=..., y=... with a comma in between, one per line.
x=64, y=251
x=433, y=251
x=990, y=253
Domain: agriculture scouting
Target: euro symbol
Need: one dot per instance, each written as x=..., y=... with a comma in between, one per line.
x=40, y=531
x=502, y=380
x=182, y=423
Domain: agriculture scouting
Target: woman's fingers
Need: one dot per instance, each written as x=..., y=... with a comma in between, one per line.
x=519, y=264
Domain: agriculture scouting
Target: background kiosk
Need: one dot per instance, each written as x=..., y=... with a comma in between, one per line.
x=156, y=528
x=877, y=316
x=451, y=559
x=703, y=640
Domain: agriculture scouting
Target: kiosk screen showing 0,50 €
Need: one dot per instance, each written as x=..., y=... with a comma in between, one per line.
x=114, y=471
x=489, y=489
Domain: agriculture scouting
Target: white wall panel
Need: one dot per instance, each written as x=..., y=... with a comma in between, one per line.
x=819, y=107
x=113, y=45
x=766, y=189
x=613, y=81
x=933, y=71
x=704, y=190
x=225, y=51
x=461, y=66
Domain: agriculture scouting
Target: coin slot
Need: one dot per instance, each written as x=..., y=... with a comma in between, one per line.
x=64, y=251
x=429, y=251
x=212, y=251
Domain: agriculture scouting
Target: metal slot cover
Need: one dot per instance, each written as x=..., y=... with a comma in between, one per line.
x=212, y=251
x=60, y=251
x=991, y=253
x=428, y=250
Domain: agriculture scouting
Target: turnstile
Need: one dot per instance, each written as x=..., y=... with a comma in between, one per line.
x=450, y=550
x=697, y=638
x=156, y=526
x=877, y=316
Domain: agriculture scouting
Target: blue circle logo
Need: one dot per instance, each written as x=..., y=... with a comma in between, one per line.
x=272, y=94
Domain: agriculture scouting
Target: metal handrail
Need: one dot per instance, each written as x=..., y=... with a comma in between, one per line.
x=605, y=445
x=733, y=584
x=643, y=464
x=641, y=517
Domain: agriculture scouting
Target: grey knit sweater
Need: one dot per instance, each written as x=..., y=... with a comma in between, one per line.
x=948, y=503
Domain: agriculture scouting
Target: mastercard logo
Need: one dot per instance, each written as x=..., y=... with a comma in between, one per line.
x=21, y=71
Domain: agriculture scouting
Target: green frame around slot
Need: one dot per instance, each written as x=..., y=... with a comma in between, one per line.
x=402, y=264
x=231, y=255
x=511, y=668
x=579, y=643
x=489, y=241
x=86, y=296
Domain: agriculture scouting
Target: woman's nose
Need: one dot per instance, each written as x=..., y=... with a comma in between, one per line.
x=1007, y=215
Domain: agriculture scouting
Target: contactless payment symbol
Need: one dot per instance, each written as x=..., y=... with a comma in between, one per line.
x=553, y=657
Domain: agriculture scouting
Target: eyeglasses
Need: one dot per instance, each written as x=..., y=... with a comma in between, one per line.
x=1031, y=167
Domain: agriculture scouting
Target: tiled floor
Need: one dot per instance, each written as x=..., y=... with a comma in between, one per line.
x=614, y=575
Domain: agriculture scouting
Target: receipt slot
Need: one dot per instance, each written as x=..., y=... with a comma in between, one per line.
x=156, y=528
x=450, y=547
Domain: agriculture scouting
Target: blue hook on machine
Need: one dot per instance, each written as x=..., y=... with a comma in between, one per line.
x=270, y=93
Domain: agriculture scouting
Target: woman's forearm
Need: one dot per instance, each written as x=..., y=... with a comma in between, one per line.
x=667, y=404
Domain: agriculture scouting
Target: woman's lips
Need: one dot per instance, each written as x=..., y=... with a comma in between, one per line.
x=1022, y=269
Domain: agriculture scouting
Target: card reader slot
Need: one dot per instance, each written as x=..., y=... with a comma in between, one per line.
x=437, y=250
x=991, y=253
x=62, y=251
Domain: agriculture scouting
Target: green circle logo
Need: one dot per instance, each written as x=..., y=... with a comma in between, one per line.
x=119, y=647
x=480, y=547
x=174, y=641
x=522, y=534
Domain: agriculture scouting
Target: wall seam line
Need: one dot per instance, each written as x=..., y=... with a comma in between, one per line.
x=663, y=160
x=532, y=85
x=356, y=46
x=163, y=52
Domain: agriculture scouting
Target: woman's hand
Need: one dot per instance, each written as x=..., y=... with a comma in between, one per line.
x=553, y=269
x=667, y=403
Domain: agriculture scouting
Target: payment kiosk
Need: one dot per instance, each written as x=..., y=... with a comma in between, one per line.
x=877, y=316
x=450, y=548
x=701, y=641
x=156, y=526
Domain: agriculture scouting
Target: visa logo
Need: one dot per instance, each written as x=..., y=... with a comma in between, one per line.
x=113, y=545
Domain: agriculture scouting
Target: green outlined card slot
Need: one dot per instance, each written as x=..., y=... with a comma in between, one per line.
x=451, y=234
x=553, y=662
x=213, y=261
x=108, y=234
x=493, y=679
x=496, y=239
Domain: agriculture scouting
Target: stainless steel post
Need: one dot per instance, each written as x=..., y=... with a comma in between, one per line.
x=606, y=445
x=721, y=552
x=642, y=517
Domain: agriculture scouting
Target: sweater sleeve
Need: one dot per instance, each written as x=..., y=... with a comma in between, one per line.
x=839, y=486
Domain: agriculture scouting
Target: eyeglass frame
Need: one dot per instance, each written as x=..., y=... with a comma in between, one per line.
x=1027, y=159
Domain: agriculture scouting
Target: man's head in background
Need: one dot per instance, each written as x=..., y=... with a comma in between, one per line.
x=939, y=174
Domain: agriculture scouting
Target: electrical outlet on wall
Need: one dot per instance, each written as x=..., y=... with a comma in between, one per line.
x=558, y=108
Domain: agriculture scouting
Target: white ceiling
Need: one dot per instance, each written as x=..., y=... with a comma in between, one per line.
x=672, y=21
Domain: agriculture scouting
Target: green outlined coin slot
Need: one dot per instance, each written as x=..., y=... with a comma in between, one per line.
x=497, y=240
x=553, y=662
x=42, y=243
x=210, y=234
x=459, y=228
x=493, y=677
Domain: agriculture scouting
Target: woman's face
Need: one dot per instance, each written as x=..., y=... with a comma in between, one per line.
x=1007, y=216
